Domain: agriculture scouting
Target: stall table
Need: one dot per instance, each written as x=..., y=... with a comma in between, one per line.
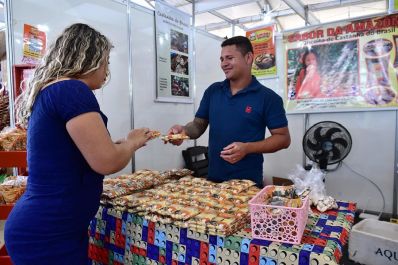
x=125, y=238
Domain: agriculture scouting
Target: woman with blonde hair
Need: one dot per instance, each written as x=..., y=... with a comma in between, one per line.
x=69, y=151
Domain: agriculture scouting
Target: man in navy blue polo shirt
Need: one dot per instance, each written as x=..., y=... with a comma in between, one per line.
x=238, y=110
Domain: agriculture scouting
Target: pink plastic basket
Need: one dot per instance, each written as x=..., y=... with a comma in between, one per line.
x=277, y=223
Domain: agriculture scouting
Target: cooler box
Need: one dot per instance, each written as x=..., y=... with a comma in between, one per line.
x=374, y=242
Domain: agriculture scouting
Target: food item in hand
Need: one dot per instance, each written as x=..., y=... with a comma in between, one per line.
x=174, y=137
x=154, y=134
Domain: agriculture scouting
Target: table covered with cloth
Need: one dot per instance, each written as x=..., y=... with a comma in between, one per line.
x=118, y=237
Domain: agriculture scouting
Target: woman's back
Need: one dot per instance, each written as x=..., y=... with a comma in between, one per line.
x=63, y=191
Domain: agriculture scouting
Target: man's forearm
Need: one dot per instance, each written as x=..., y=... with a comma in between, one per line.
x=196, y=128
x=271, y=144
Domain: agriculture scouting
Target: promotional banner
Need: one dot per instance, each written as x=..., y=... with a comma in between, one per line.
x=350, y=65
x=173, y=47
x=34, y=44
x=263, y=43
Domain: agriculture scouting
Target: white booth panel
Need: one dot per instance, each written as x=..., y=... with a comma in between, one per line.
x=148, y=113
x=105, y=16
x=208, y=70
x=283, y=162
x=161, y=115
x=275, y=82
x=372, y=156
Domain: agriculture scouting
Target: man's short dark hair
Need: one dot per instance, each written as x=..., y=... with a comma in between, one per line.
x=243, y=44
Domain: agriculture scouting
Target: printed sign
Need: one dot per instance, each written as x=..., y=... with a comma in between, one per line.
x=264, y=51
x=34, y=44
x=343, y=66
x=173, y=46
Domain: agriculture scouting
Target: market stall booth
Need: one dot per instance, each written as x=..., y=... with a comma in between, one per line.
x=190, y=220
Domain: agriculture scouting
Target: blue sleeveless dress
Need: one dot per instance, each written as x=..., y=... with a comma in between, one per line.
x=49, y=223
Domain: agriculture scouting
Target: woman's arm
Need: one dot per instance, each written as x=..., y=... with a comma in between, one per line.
x=90, y=135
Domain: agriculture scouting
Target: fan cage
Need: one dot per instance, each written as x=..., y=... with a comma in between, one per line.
x=327, y=142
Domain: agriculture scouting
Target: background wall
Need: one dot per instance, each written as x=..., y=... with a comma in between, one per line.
x=372, y=153
x=160, y=115
x=373, y=133
x=208, y=71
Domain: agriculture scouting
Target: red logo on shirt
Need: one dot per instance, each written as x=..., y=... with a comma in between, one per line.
x=248, y=109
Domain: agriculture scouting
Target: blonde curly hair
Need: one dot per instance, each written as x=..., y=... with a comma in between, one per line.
x=78, y=51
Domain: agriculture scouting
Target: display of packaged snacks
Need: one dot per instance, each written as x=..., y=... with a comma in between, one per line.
x=140, y=180
x=195, y=203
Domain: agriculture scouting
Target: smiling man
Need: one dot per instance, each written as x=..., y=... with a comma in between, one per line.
x=238, y=110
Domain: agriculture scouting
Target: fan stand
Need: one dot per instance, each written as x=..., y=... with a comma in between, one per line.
x=323, y=164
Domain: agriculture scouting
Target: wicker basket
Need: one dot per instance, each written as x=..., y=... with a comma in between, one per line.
x=4, y=110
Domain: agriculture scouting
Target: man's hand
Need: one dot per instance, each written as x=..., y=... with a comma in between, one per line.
x=176, y=129
x=234, y=152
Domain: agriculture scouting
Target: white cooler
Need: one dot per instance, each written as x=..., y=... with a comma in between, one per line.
x=374, y=242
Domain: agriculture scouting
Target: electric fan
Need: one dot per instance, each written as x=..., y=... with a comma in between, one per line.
x=327, y=143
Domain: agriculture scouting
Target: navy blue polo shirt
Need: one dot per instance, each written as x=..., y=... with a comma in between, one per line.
x=242, y=117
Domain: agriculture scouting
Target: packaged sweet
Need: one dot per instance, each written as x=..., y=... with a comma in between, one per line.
x=12, y=189
x=13, y=139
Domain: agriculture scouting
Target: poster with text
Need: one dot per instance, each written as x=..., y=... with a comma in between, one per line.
x=34, y=44
x=173, y=47
x=343, y=66
x=263, y=43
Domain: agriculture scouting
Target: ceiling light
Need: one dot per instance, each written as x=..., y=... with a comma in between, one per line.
x=267, y=18
x=44, y=28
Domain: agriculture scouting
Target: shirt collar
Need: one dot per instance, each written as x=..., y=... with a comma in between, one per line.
x=253, y=86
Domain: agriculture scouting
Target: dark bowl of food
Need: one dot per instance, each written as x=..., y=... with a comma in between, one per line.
x=264, y=61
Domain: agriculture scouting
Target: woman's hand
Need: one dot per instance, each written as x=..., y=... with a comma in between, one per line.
x=138, y=137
